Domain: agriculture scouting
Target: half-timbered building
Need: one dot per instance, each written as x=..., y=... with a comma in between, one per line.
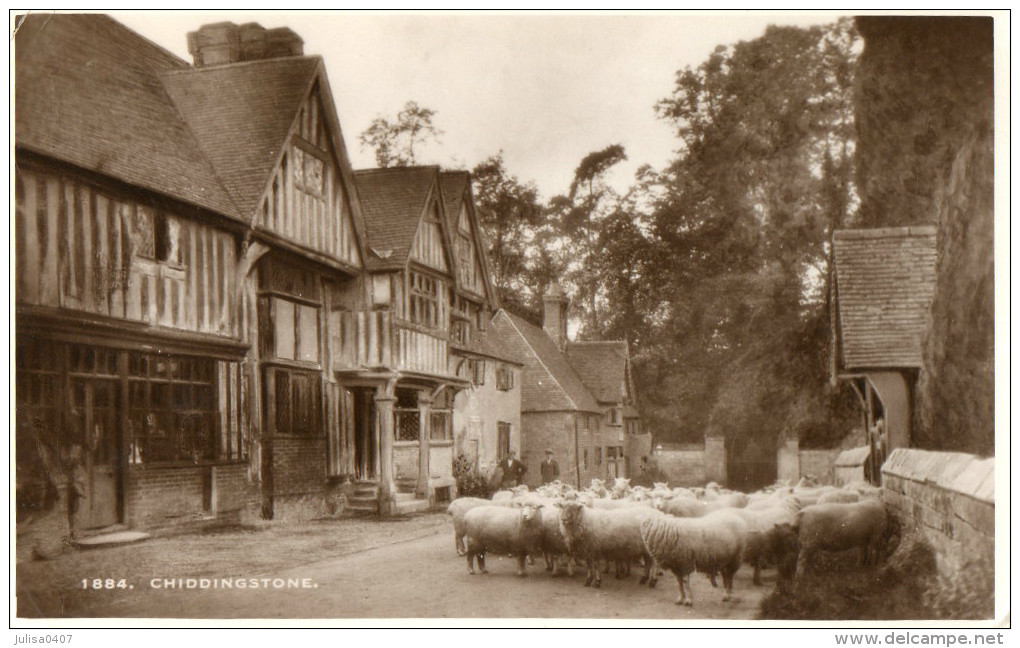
x=425, y=335
x=188, y=242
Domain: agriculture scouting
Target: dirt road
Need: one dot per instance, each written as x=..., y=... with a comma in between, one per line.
x=423, y=577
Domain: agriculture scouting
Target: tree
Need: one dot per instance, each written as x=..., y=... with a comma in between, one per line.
x=737, y=337
x=511, y=215
x=582, y=218
x=395, y=141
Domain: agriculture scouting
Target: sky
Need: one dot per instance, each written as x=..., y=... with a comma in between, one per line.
x=546, y=89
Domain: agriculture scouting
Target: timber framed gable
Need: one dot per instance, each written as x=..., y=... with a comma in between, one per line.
x=310, y=199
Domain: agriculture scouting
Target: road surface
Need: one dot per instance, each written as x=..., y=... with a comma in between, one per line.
x=423, y=577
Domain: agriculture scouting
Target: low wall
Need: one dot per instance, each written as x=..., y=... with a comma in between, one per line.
x=684, y=467
x=946, y=499
x=848, y=467
x=820, y=464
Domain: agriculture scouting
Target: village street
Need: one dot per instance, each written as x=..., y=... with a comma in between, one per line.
x=418, y=575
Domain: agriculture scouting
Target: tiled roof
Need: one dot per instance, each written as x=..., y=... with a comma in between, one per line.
x=241, y=115
x=392, y=201
x=602, y=366
x=548, y=382
x=89, y=92
x=490, y=344
x=454, y=183
x=885, y=282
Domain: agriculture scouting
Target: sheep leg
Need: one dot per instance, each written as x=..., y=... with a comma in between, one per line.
x=756, y=579
x=645, y=578
x=727, y=578
x=598, y=572
x=522, y=560
x=802, y=561
x=481, y=563
x=471, y=563
x=458, y=543
x=531, y=559
x=570, y=565
x=591, y=574
x=684, y=582
x=619, y=569
x=550, y=562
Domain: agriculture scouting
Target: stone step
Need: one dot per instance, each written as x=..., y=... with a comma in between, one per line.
x=404, y=507
x=367, y=493
x=107, y=539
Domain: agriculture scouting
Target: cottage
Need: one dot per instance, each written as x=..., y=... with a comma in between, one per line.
x=884, y=283
x=430, y=284
x=577, y=398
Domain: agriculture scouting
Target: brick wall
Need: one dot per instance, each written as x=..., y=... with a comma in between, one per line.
x=684, y=467
x=555, y=430
x=299, y=465
x=819, y=464
x=158, y=497
x=946, y=499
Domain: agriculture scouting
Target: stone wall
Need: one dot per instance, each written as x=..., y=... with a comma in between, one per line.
x=948, y=500
x=683, y=467
x=848, y=467
x=819, y=464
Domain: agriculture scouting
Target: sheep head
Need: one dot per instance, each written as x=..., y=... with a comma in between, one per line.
x=571, y=513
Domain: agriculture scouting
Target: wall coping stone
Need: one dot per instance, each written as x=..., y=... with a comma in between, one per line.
x=953, y=471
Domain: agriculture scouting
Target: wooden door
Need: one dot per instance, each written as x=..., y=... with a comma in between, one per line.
x=94, y=408
x=366, y=440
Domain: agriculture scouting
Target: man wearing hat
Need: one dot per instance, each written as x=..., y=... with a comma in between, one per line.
x=550, y=469
x=513, y=470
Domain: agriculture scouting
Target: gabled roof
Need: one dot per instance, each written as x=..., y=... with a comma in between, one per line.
x=548, y=382
x=457, y=184
x=487, y=343
x=241, y=115
x=602, y=367
x=884, y=286
x=89, y=93
x=393, y=203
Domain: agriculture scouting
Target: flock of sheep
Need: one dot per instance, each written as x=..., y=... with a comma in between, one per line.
x=710, y=530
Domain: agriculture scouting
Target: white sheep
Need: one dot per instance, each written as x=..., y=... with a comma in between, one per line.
x=682, y=507
x=514, y=531
x=594, y=535
x=711, y=544
x=458, y=508
x=839, y=527
x=761, y=540
x=554, y=545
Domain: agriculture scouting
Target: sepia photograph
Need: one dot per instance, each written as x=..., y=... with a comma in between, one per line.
x=391, y=318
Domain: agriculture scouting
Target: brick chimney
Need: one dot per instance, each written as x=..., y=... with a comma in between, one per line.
x=224, y=42
x=554, y=314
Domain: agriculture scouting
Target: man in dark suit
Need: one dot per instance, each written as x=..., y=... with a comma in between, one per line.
x=513, y=470
x=550, y=469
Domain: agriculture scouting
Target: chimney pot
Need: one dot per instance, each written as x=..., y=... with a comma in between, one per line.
x=224, y=42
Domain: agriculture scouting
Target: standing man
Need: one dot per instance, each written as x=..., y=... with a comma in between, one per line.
x=550, y=469
x=513, y=470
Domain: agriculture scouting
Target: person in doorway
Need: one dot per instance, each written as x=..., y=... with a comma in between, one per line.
x=513, y=470
x=550, y=469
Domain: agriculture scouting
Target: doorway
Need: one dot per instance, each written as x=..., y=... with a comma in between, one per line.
x=364, y=430
x=94, y=418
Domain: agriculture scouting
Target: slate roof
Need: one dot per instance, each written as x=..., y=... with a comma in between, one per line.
x=89, y=92
x=885, y=283
x=602, y=367
x=548, y=382
x=241, y=115
x=392, y=201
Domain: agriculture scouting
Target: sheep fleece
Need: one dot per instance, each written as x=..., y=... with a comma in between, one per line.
x=707, y=544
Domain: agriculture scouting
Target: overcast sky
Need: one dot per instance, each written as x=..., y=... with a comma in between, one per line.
x=546, y=89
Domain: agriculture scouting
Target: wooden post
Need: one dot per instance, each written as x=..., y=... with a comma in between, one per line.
x=424, y=432
x=385, y=397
